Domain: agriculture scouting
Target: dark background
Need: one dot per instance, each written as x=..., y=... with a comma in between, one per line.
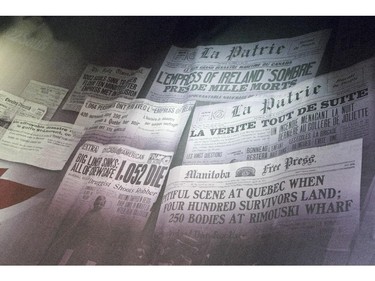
x=134, y=41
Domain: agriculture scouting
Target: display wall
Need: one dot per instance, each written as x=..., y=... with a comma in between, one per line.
x=186, y=140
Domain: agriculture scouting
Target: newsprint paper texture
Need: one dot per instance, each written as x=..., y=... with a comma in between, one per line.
x=103, y=203
x=259, y=212
x=222, y=73
x=106, y=83
x=327, y=109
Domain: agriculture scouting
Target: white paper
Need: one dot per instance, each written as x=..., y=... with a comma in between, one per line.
x=138, y=123
x=328, y=109
x=12, y=106
x=48, y=95
x=222, y=73
x=306, y=194
x=106, y=83
x=44, y=144
x=127, y=182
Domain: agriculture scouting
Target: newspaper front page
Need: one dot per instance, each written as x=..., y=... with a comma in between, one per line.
x=43, y=144
x=278, y=211
x=328, y=109
x=222, y=73
x=138, y=123
x=48, y=95
x=12, y=106
x=106, y=197
x=106, y=83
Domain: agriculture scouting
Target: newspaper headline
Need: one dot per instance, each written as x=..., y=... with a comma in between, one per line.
x=223, y=73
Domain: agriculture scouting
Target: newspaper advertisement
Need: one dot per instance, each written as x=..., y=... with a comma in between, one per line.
x=259, y=211
x=138, y=123
x=48, y=95
x=106, y=83
x=12, y=106
x=105, y=197
x=330, y=108
x=222, y=73
x=43, y=144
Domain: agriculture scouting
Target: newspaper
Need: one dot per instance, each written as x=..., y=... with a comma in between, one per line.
x=260, y=211
x=138, y=123
x=106, y=197
x=48, y=95
x=44, y=144
x=11, y=106
x=222, y=73
x=106, y=83
x=330, y=108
